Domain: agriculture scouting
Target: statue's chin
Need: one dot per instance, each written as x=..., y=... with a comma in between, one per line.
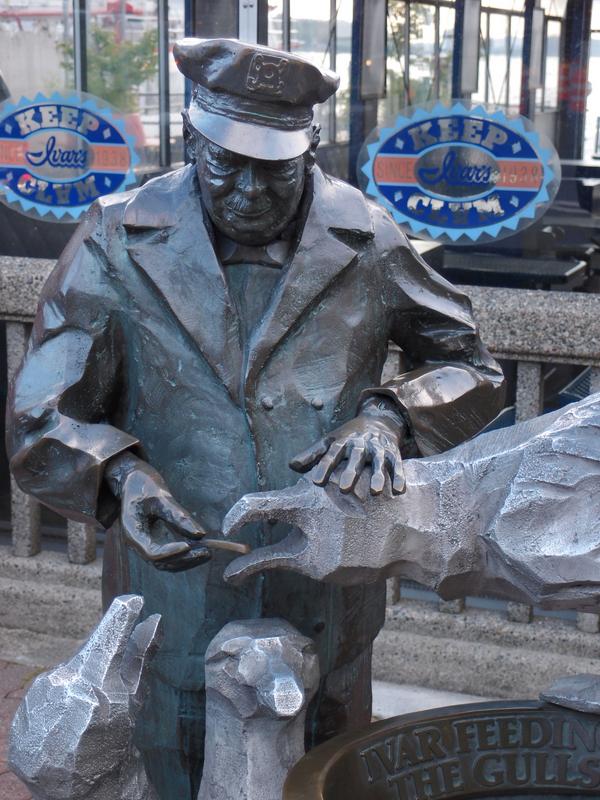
x=249, y=233
x=251, y=238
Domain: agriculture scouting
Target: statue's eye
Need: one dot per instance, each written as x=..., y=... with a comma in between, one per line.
x=281, y=169
x=221, y=167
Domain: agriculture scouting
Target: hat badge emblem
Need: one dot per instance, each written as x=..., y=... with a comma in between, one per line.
x=266, y=74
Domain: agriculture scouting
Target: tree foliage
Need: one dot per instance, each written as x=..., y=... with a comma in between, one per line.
x=116, y=69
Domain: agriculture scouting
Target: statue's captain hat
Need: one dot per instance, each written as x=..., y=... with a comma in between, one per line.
x=250, y=99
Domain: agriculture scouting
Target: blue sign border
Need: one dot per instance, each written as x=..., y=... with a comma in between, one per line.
x=82, y=101
x=548, y=159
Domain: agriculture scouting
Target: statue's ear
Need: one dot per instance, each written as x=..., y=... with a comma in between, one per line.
x=189, y=136
x=311, y=154
x=218, y=650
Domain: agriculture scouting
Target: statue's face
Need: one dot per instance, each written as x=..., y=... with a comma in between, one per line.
x=250, y=201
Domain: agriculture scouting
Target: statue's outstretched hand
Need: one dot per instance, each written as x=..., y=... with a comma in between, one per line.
x=146, y=503
x=372, y=438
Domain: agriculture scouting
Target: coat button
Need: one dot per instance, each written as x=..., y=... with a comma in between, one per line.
x=267, y=403
x=317, y=403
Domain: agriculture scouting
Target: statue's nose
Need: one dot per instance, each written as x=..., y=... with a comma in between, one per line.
x=282, y=694
x=252, y=182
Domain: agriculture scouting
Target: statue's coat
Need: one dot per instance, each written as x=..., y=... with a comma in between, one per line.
x=136, y=345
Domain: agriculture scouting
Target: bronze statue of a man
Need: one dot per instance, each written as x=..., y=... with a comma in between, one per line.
x=209, y=333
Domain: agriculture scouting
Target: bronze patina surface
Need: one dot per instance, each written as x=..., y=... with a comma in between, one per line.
x=500, y=750
x=209, y=335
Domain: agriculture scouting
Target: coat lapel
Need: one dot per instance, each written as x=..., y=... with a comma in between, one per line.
x=336, y=210
x=168, y=240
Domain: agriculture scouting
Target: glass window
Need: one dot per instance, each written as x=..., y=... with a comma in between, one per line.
x=445, y=51
x=311, y=36
x=554, y=8
x=591, y=146
x=515, y=63
x=551, y=64
x=498, y=63
x=480, y=94
x=396, y=67
x=321, y=32
x=276, y=24
x=419, y=55
x=500, y=60
x=176, y=80
x=504, y=5
x=31, y=54
x=38, y=55
x=122, y=65
x=343, y=58
x=421, y=64
x=276, y=33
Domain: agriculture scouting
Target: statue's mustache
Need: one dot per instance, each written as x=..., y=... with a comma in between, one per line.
x=244, y=205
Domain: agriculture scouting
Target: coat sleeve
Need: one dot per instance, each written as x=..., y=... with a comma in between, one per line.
x=452, y=387
x=60, y=404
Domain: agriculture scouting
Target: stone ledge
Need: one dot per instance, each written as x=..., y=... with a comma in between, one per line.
x=51, y=568
x=47, y=595
x=479, y=652
x=519, y=324
x=39, y=650
x=544, y=634
x=21, y=281
x=537, y=325
x=471, y=667
x=42, y=607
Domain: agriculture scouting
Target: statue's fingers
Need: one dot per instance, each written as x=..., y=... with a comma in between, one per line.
x=356, y=461
x=137, y=536
x=184, y=561
x=305, y=460
x=177, y=518
x=378, y=469
x=165, y=552
x=258, y=507
x=328, y=463
x=394, y=459
x=275, y=556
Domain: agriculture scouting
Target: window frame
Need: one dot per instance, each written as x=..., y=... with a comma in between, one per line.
x=79, y=8
x=286, y=27
x=485, y=42
x=559, y=20
x=436, y=5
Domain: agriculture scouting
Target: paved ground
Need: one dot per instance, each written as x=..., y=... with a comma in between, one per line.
x=14, y=678
x=389, y=700
x=393, y=699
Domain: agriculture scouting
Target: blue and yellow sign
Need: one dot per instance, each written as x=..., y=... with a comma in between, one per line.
x=58, y=154
x=461, y=174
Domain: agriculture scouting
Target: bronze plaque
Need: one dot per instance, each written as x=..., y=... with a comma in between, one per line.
x=501, y=750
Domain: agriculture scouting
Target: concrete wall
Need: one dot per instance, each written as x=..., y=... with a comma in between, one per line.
x=30, y=59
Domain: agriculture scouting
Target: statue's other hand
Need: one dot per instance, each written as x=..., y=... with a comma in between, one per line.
x=369, y=439
x=145, y=503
